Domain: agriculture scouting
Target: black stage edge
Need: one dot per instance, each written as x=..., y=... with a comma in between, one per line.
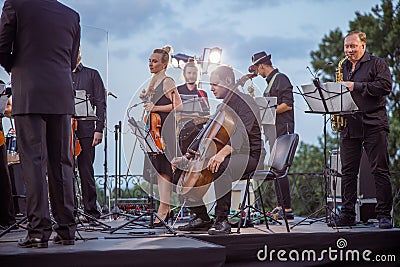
x=241, y=250
x=157, y=248
x=123, y=251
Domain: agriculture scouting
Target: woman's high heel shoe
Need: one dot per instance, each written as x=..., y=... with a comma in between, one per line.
x=160, y=223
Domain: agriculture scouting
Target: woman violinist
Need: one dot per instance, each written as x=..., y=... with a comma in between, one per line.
x=163, y=99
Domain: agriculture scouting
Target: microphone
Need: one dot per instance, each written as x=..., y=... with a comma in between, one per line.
x=111, y=94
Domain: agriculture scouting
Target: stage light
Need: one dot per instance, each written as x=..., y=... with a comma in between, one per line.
x=174, y=62
x=182, y=64
x=211, y=56
x=215, y=55
x=179, y=60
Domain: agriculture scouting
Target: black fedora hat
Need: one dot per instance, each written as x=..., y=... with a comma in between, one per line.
x=261, y=57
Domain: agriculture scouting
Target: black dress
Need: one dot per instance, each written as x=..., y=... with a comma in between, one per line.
x=161, y=163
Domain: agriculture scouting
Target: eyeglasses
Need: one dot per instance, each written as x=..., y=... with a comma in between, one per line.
x=352, y=46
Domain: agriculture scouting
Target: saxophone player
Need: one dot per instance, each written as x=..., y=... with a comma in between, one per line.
x=369, y=80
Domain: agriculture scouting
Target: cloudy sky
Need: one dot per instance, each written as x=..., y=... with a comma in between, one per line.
x=119, y=35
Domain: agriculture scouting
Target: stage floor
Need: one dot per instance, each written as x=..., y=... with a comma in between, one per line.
x=308, y=244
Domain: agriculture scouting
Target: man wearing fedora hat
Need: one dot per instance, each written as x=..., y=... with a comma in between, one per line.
x=278, y=86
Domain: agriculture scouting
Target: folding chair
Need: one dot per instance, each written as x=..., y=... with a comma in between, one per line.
x=281, y=159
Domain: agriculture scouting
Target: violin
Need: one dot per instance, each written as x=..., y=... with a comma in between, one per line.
x=74, y=145
x=196, y=179
x=153, y=120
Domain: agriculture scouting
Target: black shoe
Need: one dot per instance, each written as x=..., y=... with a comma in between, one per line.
x=61, y=241
x=160, y=223
x=343, y=220
x=385, y=223
x=196, y=224
x=220, y=228
x=32, y=242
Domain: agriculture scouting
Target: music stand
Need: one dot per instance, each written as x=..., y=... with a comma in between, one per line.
x=148, y=146
x=327, y=98
x=83, y=107
x=191, y=114
x=267, y=107
x=191, y=104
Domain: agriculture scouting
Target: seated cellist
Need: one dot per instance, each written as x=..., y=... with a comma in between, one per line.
x=238, y=157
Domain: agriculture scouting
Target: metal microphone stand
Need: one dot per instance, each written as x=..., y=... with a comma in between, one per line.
x=149, y=147
x=116, y=212
x=105, y=208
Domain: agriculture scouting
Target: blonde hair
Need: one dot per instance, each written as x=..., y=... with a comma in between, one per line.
x=165, y=52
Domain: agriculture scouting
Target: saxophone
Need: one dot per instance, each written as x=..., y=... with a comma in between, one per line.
x=338, y=122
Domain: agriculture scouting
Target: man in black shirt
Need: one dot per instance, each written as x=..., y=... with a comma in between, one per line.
x=189, y=128
x=190, y=73
x=238, y=157
x=369, y=81
x=279, y=86
x=89, y=132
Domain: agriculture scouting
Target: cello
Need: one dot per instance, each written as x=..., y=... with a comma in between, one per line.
x=195, y=180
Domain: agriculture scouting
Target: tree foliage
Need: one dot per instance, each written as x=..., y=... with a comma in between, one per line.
x=310, y=158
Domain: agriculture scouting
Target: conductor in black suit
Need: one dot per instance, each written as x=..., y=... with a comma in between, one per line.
x=39, y=44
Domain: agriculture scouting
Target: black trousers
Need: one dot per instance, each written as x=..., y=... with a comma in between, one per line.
x=86, y=174
x=375, y=143
x=233, y=168
x=6, y=197
x=44, y=148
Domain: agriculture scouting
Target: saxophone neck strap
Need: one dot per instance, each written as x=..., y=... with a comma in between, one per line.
x=270, y=84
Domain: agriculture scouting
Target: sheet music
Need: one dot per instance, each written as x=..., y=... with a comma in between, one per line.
x=191, y=104
x=139, y=129
x=83, y=107
x=337, y=98
x=267, y=107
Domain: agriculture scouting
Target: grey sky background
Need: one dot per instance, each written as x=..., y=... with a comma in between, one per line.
x=119, y=35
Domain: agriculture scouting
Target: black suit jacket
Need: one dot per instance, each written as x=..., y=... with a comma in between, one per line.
x=39, y=44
